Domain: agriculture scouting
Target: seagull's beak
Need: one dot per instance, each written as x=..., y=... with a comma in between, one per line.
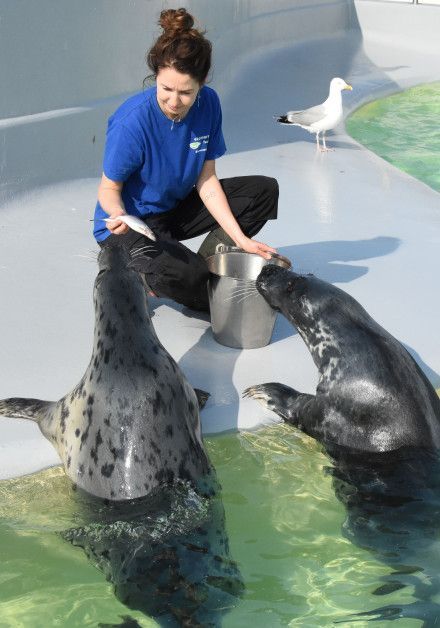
x=347, y=86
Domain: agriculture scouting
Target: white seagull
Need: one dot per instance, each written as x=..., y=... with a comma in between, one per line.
x=320, y=118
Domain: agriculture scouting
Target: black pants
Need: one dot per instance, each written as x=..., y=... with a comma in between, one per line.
x=172, y=269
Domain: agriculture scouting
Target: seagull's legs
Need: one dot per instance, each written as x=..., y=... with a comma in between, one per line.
x=324, y=148
x=317, y=142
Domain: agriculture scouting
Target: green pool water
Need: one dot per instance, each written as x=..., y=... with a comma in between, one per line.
x=404, y=130
x=284, y=525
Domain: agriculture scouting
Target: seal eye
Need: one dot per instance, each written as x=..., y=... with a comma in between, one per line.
x=290, y=286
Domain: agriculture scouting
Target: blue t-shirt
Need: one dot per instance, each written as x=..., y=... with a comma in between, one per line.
x=159, y=161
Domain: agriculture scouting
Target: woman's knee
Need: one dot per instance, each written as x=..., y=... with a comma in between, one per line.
x=270, y=189
x=264, y=205
x=269, y=185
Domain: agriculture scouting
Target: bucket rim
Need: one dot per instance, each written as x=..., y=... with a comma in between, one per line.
x=287, y=264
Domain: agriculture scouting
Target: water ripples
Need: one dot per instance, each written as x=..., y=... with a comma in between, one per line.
x=403, y=129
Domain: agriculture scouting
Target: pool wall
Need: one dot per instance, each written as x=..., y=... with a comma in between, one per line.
x=72, y=63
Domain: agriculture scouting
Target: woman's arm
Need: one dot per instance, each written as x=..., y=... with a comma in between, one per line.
x=212, y=195
x=110, y=199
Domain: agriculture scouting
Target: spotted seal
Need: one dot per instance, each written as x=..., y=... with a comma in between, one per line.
x=129, y=436
x=378, y=419
x=132, y=422
x=371, y=396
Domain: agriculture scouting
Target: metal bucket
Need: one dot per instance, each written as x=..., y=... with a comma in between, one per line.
x=240, y=316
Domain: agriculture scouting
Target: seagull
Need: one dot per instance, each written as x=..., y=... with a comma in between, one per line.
x=320, y=118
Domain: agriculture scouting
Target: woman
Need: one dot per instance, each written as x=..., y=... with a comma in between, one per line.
x=159, y=165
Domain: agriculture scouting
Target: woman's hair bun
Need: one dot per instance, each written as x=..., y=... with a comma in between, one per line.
x=175, y=22
x=180, y=46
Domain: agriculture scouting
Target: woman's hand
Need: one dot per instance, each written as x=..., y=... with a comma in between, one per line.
x=115, y=226
x=253, y=246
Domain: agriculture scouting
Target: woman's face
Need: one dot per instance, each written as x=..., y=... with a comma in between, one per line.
x=176, y=92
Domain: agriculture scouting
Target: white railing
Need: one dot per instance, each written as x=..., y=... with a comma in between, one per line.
x=413, y=1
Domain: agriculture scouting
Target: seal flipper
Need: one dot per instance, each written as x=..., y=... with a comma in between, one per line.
x=19, y=408
x=287, y=402
x=202, y=397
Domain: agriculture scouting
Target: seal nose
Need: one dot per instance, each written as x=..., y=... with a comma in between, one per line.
x=261, y=279
x=114, y=257
x=265, y=276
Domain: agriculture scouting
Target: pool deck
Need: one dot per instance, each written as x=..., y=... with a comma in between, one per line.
x=347, y=216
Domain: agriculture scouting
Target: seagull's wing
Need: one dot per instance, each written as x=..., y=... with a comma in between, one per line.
x=307, y=116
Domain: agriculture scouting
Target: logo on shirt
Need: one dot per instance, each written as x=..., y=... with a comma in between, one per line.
x=200, y=144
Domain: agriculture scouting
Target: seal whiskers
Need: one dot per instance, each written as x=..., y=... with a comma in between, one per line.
x=140, y=251
x=91, y=255
x=242, y=291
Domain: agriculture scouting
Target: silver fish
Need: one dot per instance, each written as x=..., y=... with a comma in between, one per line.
x=134, y=223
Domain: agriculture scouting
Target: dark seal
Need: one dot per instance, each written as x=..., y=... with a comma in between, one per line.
x=378, y=418
x=371, y=396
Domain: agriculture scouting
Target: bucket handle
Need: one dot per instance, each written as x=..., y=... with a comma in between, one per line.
x=226, y=248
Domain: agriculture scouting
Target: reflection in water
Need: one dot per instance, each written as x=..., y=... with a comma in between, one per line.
x=166, y=555
x=322, y=188
x=379, y=560
x=392, y=502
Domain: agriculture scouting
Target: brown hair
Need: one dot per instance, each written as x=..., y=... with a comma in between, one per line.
x=180, y=46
